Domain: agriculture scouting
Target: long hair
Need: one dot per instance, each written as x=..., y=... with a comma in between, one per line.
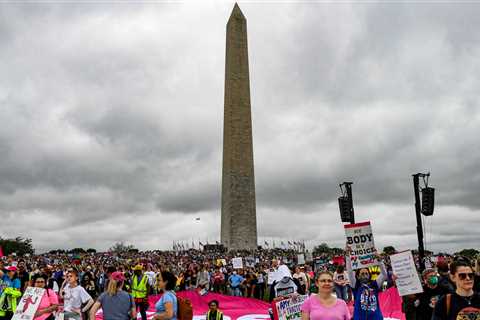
x=113, y=287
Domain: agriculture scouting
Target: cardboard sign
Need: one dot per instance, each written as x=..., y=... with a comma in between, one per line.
x=309, y=256
x=288, y=308
x=360, y=240
x=271, y=277
x=301, y=259
x=28, y=304
x=320, y=264
x=250, y=262
x=403, y=267
x=237, y=263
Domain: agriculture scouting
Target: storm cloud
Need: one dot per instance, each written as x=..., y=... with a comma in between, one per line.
x=112, y=120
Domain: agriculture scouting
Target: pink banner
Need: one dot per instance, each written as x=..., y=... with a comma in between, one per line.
x=237, y=308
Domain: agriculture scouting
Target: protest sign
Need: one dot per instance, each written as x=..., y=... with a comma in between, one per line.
x=300, y=259
x=309, y=256
x=288, y=308
x=250, y=262
x=271, y=277
x=320, y=264
x=403, y=267
x=360, y=240
x=237, y=263
x=28, y=304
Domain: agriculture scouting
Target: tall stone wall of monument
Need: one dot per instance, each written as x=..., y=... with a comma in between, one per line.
x=239, y=223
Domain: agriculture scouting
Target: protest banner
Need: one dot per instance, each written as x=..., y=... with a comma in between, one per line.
x=288, y=308
x=28, y=304
x=301, y=259
x=360, y=240
x=404, y=268
x=237, y=263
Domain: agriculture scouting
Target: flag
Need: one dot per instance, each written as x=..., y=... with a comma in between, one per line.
x=1, y=252
x=266, y=243
x=201, y=244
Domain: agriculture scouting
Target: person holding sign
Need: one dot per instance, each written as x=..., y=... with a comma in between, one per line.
x=324, y=306
x=365, y=290
x=49, y=302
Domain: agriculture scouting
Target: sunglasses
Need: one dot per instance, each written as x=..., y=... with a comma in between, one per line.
x=463, y=276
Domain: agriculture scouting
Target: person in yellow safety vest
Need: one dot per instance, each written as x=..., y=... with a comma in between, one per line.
x=9, y=292
x=213, y=312
x=140, y=289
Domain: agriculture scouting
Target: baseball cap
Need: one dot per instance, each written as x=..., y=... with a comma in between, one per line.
x=11, y=268
x=118, y=276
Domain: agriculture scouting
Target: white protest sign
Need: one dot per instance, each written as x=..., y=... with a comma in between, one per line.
x=403, y=267
x=360, y=240
x=271, y=277
x=289, y=309
x=28, y=304
x=237, y=263
x=301, y=259
x=309, y=256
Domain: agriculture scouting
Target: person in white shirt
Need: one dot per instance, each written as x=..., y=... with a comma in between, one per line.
x=301, y=277
x=74, y=297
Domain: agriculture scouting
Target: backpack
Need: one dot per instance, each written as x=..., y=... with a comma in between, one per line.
x=184, y=309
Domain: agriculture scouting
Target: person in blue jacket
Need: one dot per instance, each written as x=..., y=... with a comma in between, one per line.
x=365, y=290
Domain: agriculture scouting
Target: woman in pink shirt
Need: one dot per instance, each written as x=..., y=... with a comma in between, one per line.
x=49, y=302
x=324, y=305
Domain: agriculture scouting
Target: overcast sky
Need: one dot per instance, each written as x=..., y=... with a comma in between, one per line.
x=112, y=120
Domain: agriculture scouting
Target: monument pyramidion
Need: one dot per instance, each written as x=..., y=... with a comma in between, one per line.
x=239, y=219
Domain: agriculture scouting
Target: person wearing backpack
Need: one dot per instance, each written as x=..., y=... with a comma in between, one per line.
x=464, y=303
x=167, y=306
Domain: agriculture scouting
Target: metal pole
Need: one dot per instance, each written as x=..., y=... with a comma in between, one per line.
x=421, y=250
x=348, y=185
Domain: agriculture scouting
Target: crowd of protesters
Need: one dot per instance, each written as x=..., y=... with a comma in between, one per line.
x=120, y=283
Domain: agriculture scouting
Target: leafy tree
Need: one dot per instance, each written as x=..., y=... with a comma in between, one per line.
x=321, y=249
x=91, y=250
x=469, y=253
x=77, y=250
x=389, y=250
x=121, y=247
x=19, y=245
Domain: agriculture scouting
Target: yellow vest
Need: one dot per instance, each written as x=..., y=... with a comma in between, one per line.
x=217, y=317
x=11, y=295
x=139, y=290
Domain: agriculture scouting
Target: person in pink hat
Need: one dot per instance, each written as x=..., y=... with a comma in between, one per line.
x=9, y=292
x=115, y=303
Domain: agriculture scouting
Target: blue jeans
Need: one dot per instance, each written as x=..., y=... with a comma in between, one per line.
x=341, y=292
x=236, y=292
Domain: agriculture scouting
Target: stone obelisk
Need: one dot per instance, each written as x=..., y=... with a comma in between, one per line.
x=239, y=219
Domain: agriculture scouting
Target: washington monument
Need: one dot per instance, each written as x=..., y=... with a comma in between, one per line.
x=239, y=218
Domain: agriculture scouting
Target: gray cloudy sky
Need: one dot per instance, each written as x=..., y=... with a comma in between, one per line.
x=111, y=120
